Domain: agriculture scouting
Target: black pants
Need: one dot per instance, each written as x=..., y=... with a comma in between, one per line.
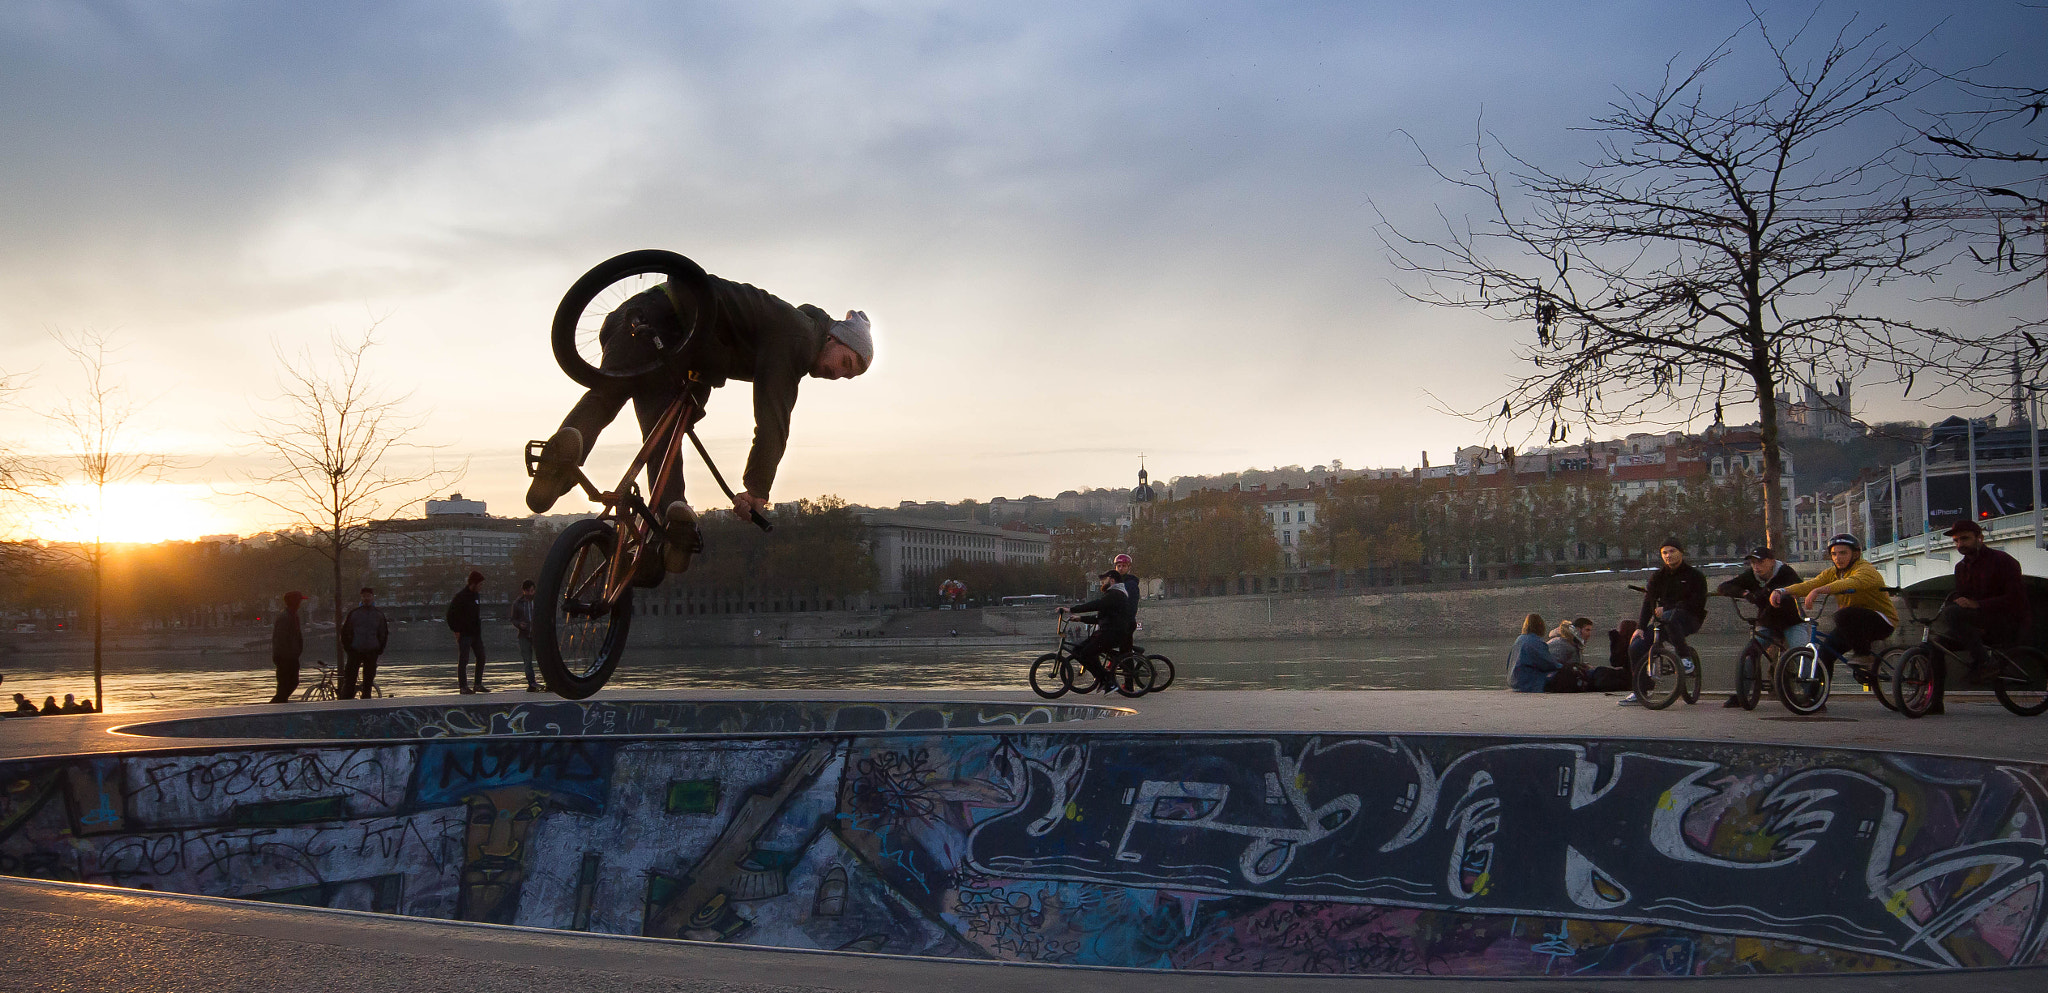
x=353, y=662
x=465, y=644
x=287, y=679
x=1090, y=650
x=1968, y=627
x=627, y=342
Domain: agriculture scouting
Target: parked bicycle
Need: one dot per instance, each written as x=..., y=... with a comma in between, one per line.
x=2018, y=673
x=1059, y=672
x=584, y=594
x=1664, y=675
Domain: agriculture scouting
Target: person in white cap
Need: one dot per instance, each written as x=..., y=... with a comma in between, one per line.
x=755, y=337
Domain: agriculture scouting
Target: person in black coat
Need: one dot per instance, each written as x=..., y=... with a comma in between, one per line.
x=1765, y=573
x=365, y=633
x=1677, y=593
x=286, y=642
x=1115, y=619
x=466, y=619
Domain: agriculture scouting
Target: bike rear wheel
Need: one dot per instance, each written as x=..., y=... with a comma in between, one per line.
x=578, y=636
x=1162, y=669
x=1803, y=695
x=1047, y=676
x=1660, y=680
x=579, y=319
x=1132, y=675
x=1913, y=681
x=1749, y=680
x=1884, y=676
x=2022, y=680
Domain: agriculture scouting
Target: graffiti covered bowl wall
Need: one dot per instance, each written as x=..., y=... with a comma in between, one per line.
x=357, y=722
x=1078, y=844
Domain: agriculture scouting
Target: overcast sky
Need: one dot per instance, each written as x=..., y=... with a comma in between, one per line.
x=1084, y=231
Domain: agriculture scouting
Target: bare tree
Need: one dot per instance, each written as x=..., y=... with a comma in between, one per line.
x=1711, y=250
x=339, y=448
x=97, y=421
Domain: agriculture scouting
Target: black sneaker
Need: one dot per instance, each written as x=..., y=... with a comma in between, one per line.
x=684, y=540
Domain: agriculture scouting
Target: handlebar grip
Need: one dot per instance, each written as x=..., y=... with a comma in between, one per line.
x=761, y=522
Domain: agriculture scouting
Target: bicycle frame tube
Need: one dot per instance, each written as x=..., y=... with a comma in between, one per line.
x=635, y=529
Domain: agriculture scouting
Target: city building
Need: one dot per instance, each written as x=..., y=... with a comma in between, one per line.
x=415, y=560
x=905, y=548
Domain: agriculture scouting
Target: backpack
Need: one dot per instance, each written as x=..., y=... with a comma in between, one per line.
x=453, y=602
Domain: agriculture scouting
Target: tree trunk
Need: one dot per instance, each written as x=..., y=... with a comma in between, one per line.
x=99, y=571
x=1774, y=500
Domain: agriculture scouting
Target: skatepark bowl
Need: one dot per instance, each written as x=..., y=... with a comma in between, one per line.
x=1023, y=832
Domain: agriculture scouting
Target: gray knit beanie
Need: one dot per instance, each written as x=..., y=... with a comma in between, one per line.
x=854, y=333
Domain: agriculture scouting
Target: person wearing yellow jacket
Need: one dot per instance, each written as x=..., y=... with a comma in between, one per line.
x=1863, y=610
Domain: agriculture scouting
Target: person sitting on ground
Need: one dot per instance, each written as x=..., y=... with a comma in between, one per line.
x=1618, y=641
x=24, y=705
x=749, y=335
x=1989, y=607
x=1765, y=573
x=1114, y=621
x=70, y=705
x=1529, y=661
x=50, y=705
x=1568, y=649
x=1863, y=610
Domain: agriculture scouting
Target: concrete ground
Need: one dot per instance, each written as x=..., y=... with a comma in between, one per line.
x=65, y=937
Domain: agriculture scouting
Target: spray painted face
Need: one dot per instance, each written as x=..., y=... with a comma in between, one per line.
x=494, y=851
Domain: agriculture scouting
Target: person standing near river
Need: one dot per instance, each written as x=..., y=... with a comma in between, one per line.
x=365, y=633
x=466, y=619
x=286, y=642
x=522, y=627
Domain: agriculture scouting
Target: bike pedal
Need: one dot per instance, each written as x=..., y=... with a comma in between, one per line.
x=533, y=453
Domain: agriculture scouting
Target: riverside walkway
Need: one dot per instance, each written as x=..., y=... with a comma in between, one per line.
x=66, y=936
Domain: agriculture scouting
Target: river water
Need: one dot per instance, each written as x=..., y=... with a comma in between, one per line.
x=143, y=681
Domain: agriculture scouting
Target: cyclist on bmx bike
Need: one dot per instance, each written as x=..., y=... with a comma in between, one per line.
x=1754, y=584
x=654, y=328
x=1116, y=621
x=1863, y=610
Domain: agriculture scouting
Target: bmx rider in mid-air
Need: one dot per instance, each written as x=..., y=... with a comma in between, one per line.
x=751, y=335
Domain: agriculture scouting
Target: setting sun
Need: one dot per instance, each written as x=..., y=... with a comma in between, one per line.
x=131, y=512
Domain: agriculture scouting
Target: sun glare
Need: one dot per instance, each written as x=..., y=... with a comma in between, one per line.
x=131, y=512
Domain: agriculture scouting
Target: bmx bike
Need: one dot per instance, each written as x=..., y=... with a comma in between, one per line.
x=1805, y=679
x=2019, y=673
x=583, y=597
x=1762, y=660
x=1664, y=675
x=1059, y=672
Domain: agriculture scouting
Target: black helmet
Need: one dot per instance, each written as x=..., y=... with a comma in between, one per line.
x=1845, y=539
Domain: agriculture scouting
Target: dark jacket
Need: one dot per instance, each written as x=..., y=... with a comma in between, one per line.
x=757, y=337
x=1130, y=585
x=1748, y=587
x=1992, y=578
x=285, y=640
x=365, y=620
x=1113, y=610
x=463, y=615
x=1684, y=587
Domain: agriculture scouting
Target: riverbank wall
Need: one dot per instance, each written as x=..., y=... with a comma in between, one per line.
x=1431, y=611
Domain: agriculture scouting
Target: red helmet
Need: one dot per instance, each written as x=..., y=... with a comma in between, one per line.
x=1122, y=559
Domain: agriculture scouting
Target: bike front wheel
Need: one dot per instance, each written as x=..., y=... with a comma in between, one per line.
x=1047, y=679
x=1803, y=681
x=579, y=320
x=2022, y=681
x=1661, y=679
x=578, y=635
x=1913, y=681
x=1077, y=676
x=1693, y=675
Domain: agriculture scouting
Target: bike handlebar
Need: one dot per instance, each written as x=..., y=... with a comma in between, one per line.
x=761, y=522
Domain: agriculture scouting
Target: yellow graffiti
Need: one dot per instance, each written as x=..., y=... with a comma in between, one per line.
x=1482, y=884
x=1073, y=811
